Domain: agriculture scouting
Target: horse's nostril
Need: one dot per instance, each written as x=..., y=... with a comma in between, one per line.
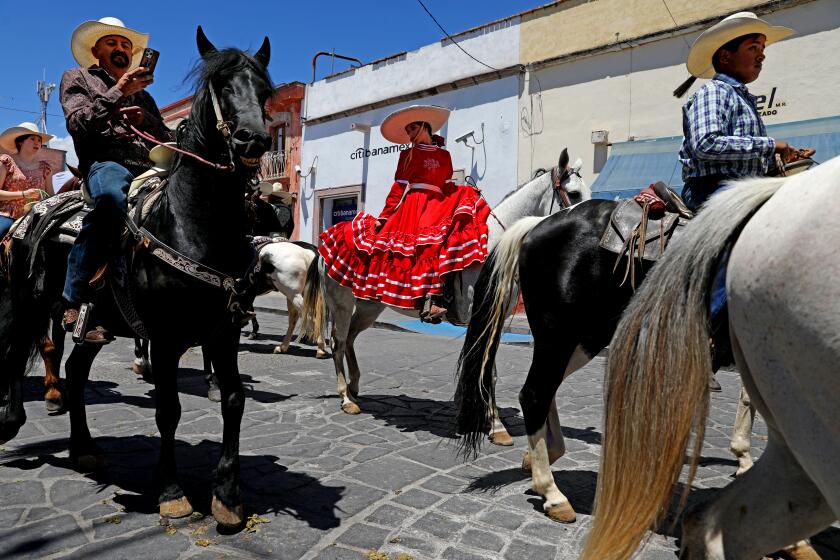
x=243, y=135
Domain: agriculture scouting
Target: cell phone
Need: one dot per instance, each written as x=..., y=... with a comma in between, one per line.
x=149, y=59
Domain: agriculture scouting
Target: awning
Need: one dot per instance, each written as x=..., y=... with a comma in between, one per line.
x=634, y=165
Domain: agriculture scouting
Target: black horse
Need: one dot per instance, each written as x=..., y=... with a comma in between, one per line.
x=201, y=215
x=573, y=297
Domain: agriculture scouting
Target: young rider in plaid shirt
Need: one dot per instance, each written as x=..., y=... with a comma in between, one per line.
x=724, y=136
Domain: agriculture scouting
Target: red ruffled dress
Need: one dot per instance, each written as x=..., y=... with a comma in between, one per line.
x=431, y=227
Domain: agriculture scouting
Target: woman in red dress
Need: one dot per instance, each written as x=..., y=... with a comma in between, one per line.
x=429, y=227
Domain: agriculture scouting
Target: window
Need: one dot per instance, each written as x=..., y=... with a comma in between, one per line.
x=335, y=205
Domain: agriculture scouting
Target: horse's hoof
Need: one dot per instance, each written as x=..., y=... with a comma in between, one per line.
x=176, y=509
x=253, y=336
x=55, y=404
x=89, y=463
x=321, y=354
x=800, y=551
x=501, y=438
x=280, y=350
x=214, y=394
x=563, y=513
x=526, y=463
x=138, y=368
x=351, y=408
x=228, y=518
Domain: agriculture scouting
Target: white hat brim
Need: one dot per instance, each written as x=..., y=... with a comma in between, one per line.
x=700, y=56
x=8, y=136
x=87, y=34
x=393, y=127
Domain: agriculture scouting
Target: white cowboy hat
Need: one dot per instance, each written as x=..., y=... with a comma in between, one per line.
x=699, y=61
x=87, y=34
x=393, y=127
x=8, y=137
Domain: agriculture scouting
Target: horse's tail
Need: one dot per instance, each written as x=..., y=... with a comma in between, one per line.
x=657, y=377
x=494, y=289
x=312, y=319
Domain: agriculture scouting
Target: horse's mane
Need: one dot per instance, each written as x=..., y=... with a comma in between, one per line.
x=514, y=191
x=222, y=61
x=212, y=65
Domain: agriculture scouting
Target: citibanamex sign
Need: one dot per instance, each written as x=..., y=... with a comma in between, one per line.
x=362, y=153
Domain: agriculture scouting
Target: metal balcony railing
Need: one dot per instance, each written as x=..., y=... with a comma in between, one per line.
x=272, y=166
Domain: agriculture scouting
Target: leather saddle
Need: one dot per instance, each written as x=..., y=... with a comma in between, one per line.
x=640, y=228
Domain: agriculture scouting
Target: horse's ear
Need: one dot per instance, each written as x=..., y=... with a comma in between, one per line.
x=204, y=44
x=564, y=159
x=264, y=54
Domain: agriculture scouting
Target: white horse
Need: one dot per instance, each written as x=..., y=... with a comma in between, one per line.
x=285, y=265
x=784, y=319
x=351, y=316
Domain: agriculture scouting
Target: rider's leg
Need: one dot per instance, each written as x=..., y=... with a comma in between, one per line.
x=108, y=184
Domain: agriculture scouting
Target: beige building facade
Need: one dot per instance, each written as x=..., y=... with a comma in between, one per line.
x=599, y=75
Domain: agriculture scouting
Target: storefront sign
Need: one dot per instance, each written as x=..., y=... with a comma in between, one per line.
x=769, y=106
x=362, y=153
x=343, y=209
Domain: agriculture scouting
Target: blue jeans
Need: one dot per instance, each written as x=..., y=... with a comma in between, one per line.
x=696, y=192
x=5, y=223
x=107, y=183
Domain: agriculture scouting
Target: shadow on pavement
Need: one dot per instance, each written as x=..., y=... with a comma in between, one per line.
x=267, y=487
x=412, y=414
x=190, y=382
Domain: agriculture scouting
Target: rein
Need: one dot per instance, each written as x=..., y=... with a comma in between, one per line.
x=222, y=126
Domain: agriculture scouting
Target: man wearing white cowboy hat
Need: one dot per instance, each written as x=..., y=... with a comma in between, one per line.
x=724, y=136
x=101, y=98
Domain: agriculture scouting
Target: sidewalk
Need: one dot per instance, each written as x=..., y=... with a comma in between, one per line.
x=516, y=328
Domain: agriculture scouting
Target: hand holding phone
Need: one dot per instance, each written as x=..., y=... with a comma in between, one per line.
x=149, y=59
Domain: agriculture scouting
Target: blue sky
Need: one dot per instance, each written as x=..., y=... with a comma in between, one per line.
x=35, y=37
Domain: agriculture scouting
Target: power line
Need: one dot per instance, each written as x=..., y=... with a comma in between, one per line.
x=448, y=36
x=26, y=111
x=664, y=3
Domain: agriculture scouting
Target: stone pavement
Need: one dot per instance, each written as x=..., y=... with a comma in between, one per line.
x=327, y=485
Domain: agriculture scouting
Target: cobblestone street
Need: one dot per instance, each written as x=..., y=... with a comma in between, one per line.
x=324, y=484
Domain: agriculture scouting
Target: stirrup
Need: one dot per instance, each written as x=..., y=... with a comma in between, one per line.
x=80, y=328
x=426, y=315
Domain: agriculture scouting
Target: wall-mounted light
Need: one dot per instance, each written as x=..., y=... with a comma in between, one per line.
x=360, y=127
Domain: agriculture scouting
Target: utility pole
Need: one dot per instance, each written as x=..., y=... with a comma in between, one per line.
x=44, y=90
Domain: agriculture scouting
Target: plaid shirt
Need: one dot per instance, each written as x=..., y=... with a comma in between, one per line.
x=723, y=133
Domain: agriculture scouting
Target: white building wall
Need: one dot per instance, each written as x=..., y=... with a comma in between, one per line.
x=429, y=66
x=489, y=109
x=628, y=92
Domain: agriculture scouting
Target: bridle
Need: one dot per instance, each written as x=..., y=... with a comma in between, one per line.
x=222, y=125
x=558, y=188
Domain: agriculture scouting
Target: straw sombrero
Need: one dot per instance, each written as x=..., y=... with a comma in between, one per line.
x=8, y=137
x=87, y=34
x=393, y=127
x=699, y=61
